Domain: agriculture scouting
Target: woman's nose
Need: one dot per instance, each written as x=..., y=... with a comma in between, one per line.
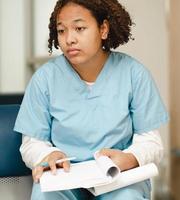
x=70, y=38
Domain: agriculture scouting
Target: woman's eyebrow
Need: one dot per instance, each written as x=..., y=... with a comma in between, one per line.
x=79, y=20
x=74, y=21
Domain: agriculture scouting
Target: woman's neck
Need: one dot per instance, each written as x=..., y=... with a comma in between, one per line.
x=90, y=70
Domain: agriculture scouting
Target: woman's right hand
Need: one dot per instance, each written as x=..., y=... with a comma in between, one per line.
x=51, y=161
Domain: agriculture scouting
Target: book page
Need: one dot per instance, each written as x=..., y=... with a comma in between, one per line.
x=128, y=177
x=84, y=174
x=107, y=166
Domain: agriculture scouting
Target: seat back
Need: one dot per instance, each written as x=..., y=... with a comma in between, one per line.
x=11, y=98
x=15, y=177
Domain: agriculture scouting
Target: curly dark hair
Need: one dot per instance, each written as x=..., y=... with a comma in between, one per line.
x=119, y=21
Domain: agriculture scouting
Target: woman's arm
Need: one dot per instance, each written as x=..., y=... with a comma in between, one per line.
x=33, y=151
x=145, y=148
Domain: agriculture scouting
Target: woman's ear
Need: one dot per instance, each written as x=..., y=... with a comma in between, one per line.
x=104, y=29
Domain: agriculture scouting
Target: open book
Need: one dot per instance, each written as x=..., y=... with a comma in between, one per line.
x=126, y=178
x=98, y=176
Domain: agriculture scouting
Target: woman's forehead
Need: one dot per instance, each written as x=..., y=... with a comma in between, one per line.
x=74, y=13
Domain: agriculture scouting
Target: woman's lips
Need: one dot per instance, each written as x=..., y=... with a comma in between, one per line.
x=72, y=52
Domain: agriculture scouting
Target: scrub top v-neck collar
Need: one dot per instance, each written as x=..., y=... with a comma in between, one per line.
x=98, y=87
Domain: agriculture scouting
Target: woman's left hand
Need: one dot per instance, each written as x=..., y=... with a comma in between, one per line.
x=123, y=160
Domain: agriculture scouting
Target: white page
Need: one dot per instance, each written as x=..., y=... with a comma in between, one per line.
x=127, y=178
x=84, y=174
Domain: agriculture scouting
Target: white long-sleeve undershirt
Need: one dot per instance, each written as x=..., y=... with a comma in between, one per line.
x=146, y=147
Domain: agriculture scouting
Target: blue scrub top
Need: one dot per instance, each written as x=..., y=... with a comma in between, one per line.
x=59, y=107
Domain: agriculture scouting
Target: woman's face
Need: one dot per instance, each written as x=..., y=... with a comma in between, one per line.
x=79, y=36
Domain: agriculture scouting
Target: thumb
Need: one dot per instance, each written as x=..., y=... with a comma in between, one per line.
x=105, y=152
x=66, y=166
x=37, y=173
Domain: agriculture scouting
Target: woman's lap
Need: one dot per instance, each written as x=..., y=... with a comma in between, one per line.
x=76, y=194
x=138, y=191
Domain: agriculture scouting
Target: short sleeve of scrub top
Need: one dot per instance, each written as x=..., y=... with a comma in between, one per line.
x=146, y=107
x=34, y=118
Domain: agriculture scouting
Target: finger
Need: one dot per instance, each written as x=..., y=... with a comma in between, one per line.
x=45, y=165
x=37, y=173
x=52, y=166
x=34, y=174
x=66, y=166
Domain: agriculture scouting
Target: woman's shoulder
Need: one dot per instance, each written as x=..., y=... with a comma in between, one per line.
x=128, y=62
x=46, y=73
x=52, y=66
x=126, y=58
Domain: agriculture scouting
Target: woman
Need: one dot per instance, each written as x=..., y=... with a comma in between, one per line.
x=90, y=98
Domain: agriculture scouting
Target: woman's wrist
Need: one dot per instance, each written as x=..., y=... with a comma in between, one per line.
x=130, y=162
x=123, y=160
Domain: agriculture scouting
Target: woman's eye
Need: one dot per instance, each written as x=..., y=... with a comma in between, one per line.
x=79, y=29
x=61, y=31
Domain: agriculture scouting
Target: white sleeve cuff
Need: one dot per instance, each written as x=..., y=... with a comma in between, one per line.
x=34, y=150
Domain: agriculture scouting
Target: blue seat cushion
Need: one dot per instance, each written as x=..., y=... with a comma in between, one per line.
x=11, y=163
